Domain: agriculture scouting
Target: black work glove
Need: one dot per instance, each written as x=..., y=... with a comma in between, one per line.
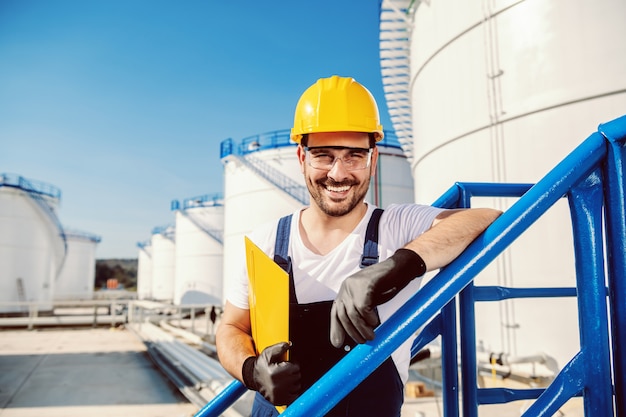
x=278, y=381
x=354, y=311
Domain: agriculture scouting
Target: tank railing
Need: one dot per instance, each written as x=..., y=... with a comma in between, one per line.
x=17, y=181
x=277, y=178
x=206, y=200
x=581, y=176
x=73, y=233
x=270, y=140
x=167, y=231
x=278, y=139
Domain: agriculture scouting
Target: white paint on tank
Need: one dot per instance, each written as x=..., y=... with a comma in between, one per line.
x=144, y=271
x=199, y=255
x=163, y=264
x=77, y=278
x=501, y=91
x=32, y=250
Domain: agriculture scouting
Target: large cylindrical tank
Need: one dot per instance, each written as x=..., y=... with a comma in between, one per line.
x=144, y=271
x=501, y=92
x=199, y=251
x=262, y=182
x=77, y=278
x=163, y=263
x=32, y=242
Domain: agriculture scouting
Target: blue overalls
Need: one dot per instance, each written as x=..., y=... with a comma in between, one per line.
x=381, y=394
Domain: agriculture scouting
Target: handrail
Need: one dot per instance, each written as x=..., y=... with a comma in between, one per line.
x=246, y=149
x=580, y=177
x=278, y=139
x=39, y=187
x=281, y=181
x=207, y=200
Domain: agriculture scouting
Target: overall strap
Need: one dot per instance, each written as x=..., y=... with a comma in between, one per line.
x=370, y=247
x=281, y=253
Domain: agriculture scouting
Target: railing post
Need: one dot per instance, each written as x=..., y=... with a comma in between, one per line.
x=586, y=200
x=449, y=360
x=615, y=190
x=468, y=351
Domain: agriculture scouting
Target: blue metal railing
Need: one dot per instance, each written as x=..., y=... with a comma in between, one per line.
x=247, y=147
x=39, y=187
x=83, y=235
x=206, y=200
x=279, y=139
x=592, y=178
x=168, y=231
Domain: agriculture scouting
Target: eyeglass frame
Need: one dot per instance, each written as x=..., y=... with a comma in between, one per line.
x=369, y=151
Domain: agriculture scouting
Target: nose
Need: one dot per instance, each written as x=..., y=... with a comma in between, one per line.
x=338, y=172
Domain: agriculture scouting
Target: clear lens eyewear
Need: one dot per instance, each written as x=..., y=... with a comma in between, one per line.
x=324, y=157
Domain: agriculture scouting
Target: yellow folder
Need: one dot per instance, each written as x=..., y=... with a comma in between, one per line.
x=268, y=298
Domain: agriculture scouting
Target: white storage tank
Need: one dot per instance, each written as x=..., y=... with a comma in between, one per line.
x=501, y=92
x=163, y=263
x=77, y=278
x=262, y=182
x=32, y=243
x=144, y=271
x=199, y=251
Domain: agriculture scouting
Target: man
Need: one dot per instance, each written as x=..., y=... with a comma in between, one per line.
x=336, y=299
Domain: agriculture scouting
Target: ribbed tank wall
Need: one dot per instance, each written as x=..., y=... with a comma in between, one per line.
x=77, y=277
x=252, y=200
x=501, y=92
x=198, y=276
x=144, y=272
x=163, y=266
x=31, y=251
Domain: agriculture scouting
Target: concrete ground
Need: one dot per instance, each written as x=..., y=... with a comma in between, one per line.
x=107, y=373
x=83, y=372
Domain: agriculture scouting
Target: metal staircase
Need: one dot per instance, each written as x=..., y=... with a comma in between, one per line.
x=198, y=218
x=245, y=153
x=592, y=179
x=395, y=36
x=276, y=178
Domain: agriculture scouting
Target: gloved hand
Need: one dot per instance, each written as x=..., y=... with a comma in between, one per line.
x=353, y=311
x=278, y=381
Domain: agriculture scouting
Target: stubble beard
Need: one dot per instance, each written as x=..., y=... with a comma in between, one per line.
x=336, y=208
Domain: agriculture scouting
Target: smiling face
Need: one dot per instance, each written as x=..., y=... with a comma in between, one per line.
x=337, y=191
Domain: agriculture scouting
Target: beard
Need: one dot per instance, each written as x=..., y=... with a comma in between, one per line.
x=337, y=207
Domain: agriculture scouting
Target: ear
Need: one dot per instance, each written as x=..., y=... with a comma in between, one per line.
x=301, y=157
x=374, y=162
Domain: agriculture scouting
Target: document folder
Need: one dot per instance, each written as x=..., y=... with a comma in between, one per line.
x=268, y=298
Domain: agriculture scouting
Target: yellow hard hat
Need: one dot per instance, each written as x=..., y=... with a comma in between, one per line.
x=336, y=104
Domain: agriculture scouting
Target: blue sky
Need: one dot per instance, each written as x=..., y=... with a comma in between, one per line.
x=123, y=104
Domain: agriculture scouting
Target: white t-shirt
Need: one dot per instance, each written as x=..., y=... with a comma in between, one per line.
x=318, y=278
